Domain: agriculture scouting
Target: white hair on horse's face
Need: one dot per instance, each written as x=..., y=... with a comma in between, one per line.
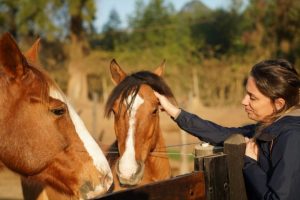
x=127, y=164
x=99, y=159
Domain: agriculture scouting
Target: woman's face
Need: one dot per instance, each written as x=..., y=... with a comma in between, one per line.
x=258, y=106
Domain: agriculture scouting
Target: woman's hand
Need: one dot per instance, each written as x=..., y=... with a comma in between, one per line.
x=167, y=105
x=251, y=149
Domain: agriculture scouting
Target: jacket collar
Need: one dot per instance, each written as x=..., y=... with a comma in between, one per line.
x=294, y=112
x=273, y=130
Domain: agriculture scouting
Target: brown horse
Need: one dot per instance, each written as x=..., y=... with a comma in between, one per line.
x=42, y=137
x=142, y=154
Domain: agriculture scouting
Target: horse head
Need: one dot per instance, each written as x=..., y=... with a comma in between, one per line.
x=136, y=124
x=42, y=137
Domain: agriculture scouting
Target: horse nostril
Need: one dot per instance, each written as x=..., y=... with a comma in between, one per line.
x=89, y=190
x=85, y=189
x=107, y=180
x=135, y=178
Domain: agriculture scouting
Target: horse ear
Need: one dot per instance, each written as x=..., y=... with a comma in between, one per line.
x=159, y=71
x=117, y=74
x=32, y=53
x=11, y=58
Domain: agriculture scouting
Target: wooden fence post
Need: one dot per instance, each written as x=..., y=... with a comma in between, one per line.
x=234, y=147
x=212, y=162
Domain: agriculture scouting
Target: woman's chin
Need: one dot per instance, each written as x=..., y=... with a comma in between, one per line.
x=252, y=117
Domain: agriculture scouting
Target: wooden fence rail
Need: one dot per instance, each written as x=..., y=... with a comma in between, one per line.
x=217, y=176
x=189, y=187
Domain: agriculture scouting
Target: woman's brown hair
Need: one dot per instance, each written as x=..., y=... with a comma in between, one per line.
x=275, y=79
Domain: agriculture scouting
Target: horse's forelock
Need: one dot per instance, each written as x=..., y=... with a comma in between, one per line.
x=155, y=82
x=131, y=85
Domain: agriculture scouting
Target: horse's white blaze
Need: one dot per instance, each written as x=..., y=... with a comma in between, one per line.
x=89, y=143
x=127, y=164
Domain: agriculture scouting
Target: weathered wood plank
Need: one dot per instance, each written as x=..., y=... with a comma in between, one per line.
x=202, y=151
x=188, y=187
x=206, y=149
x=212, y=162
x=234, y=147
x=216, y=177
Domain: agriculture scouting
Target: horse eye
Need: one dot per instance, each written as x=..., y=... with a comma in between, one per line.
x=58, y=111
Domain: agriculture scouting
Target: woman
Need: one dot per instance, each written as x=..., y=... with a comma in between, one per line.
x=272, y=157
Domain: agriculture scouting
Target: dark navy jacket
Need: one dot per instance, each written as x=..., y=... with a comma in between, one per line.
x=276, y=174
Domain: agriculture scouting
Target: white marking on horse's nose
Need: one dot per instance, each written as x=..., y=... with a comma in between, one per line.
x=89, y=143
x=98, y=190
x=127, y=164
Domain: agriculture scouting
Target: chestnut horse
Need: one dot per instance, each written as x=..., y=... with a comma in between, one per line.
x=42, y=137
x=142, y=154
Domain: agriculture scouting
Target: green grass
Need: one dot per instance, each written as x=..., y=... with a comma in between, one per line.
x=174, y=154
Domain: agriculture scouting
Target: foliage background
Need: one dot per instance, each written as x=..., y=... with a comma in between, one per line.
x=208, y=52
x=208, y=55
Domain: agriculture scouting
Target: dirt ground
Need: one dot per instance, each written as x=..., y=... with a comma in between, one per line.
x=102, y=130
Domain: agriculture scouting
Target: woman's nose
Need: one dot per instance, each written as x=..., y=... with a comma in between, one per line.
x=245, y=100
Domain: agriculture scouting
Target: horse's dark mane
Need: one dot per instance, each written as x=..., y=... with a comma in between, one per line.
x=131, y=85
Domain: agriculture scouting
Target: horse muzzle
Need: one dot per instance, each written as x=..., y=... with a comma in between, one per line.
x=135, y=178
x=89, y=190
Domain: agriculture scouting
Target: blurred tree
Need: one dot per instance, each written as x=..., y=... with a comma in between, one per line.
x=111, y=31
x=157, y=32
x=156, y=29
x=114, y=21
x=219, y=33
x=193, y=14
x=53, y=19
x=63, y=25
x=284, y=28
x=8, y=12
x=82, y=14
x=194, y=36
x=149, y=24
x=274, y=28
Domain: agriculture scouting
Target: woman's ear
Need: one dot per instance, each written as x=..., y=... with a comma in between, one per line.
x=279, y=103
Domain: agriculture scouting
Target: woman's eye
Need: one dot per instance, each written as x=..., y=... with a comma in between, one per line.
x=58, y=111
x=252, y=97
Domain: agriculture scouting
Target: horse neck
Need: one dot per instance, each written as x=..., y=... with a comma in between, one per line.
x=158, y=164
x=160, y=144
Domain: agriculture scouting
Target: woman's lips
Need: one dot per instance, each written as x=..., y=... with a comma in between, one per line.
x=248, y=110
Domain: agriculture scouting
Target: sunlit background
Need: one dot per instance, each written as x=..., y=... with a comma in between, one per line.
x=209, y=47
